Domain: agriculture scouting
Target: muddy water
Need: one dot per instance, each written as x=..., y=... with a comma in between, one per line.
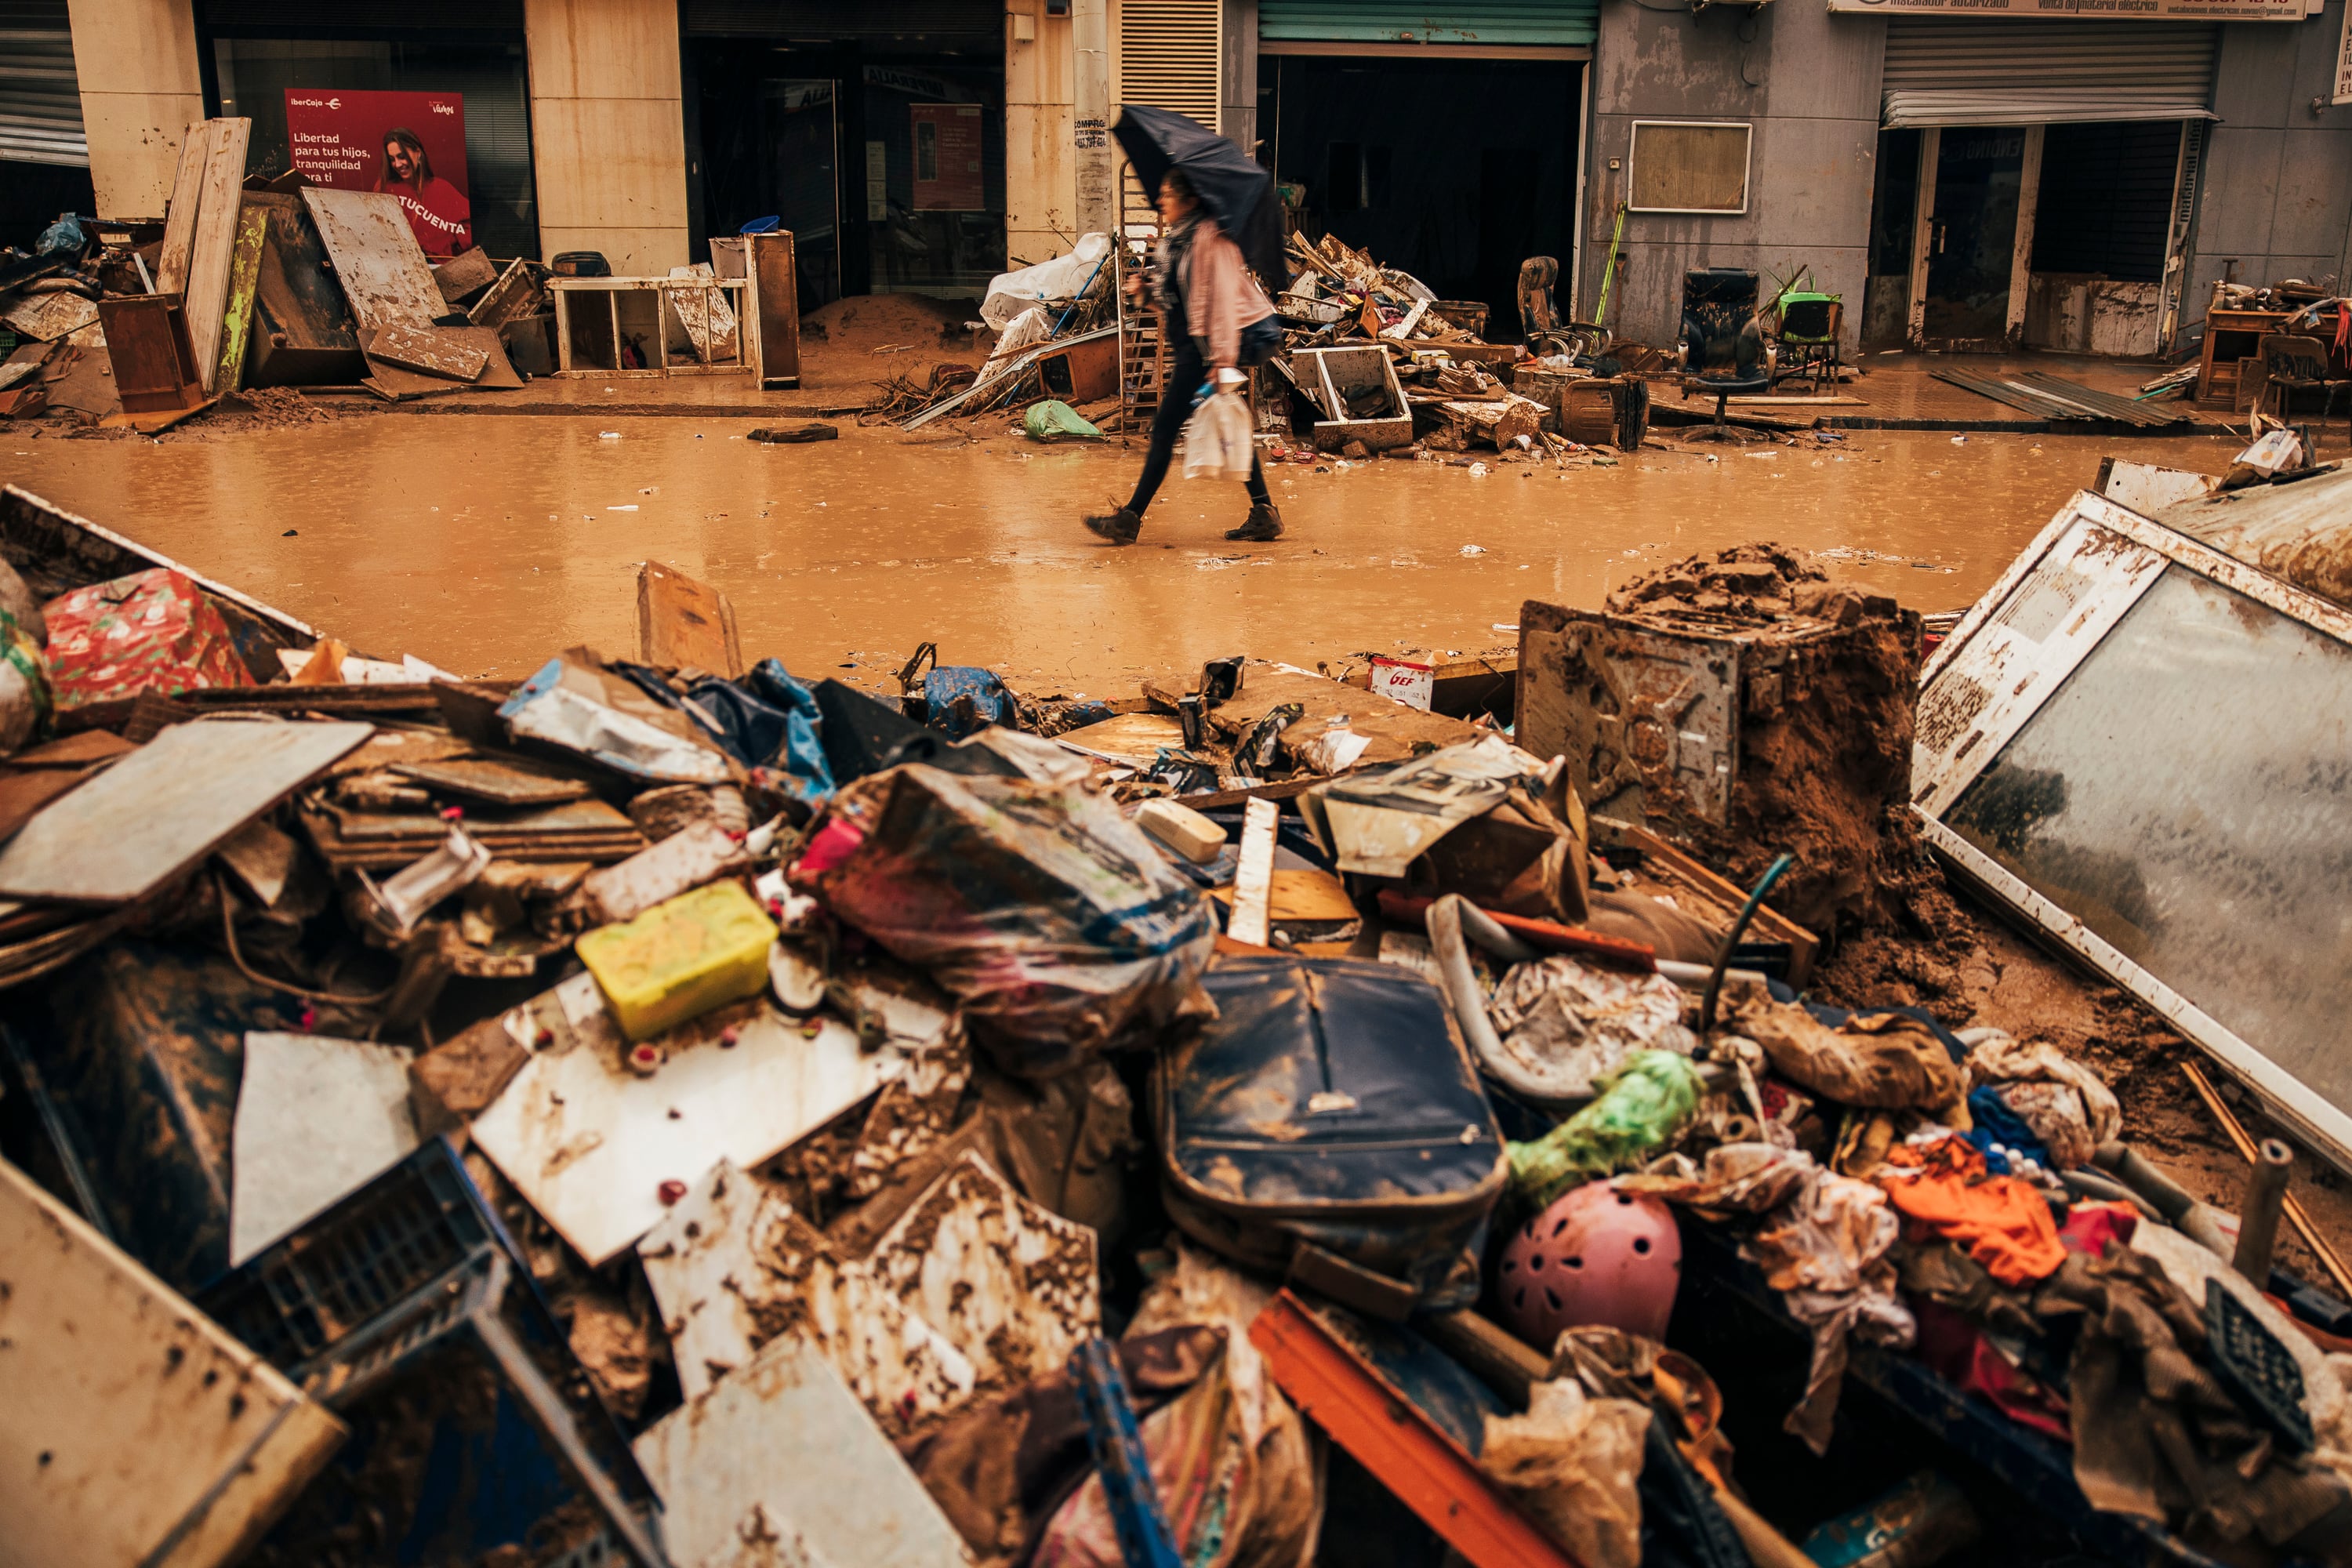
x=484, y=543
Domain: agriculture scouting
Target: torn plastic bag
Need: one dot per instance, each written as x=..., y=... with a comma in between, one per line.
x=1573, y=1462
x=1052, y=420
x=1329, y=1126
x=1040, y=908
x=1640, y=1106
x=577, y=705
x=957, y=697
x=1062, y=277
x=1564, y=1025
x=766, y=720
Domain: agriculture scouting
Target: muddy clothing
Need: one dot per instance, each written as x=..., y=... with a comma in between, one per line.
x=1185, y=373
x=1203, y=282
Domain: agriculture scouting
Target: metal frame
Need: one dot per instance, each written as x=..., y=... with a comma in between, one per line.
x=562, y=289
x=1966, y=747
x=1747, y=166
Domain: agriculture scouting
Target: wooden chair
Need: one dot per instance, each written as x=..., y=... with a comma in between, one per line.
x=2292, y=364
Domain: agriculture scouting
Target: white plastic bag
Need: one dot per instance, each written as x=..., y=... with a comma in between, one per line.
x=1063, y=277
x=1217, y=439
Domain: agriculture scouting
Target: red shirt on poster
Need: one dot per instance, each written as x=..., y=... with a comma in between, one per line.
x=411, y=145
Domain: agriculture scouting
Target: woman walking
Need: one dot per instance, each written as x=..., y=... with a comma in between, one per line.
x=1207, y=300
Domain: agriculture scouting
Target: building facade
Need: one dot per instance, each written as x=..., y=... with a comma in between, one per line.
x=2069, y=175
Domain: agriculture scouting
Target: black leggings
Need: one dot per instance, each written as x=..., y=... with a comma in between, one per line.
x=1185, y=373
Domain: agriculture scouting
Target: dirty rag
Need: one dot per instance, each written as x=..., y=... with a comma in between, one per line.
x=1568, y=1024
x=1885, y=1061
x=1997, y=1058
x=1826, y=1251
x=2004, y=1223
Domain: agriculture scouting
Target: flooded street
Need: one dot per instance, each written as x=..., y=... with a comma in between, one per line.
x=483, y=543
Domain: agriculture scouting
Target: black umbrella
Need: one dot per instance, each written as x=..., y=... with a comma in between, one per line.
x=1238, y=192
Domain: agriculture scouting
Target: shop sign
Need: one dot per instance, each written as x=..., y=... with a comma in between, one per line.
x=2344, y=61
x=2089, y=10
x=946, y=157
x=412, y=144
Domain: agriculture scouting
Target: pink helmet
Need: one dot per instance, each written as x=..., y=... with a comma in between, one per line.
x=1595, y=1256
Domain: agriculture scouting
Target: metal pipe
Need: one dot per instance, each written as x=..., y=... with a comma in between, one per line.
x=2258, y=1211
x=1772, y=874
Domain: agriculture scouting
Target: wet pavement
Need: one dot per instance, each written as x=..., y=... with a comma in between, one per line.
x=485, y=544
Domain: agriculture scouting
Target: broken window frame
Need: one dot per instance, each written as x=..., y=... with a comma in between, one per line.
x=1746, y=165
x=1948, y=757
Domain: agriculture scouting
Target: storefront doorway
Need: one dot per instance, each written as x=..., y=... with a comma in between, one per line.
x=1455, y=170
x=1969, y=240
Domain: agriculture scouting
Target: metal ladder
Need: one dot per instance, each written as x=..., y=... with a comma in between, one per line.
x=1143, y=346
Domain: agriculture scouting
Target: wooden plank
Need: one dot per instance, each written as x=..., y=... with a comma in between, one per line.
x=1253, y=881
x=215, y=249
x=45, y=318
x=682, y=622
x=377, y=256
x=243, y=281
x=425, y=350
x=462, y=274
x=138, y=1430
x=163, y=807
x=180, y=215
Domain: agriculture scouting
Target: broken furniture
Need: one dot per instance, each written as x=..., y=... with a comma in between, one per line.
x=2293, y=362
x=1722, y=339
x=2232, y=336
x=2120, y=683
x=1082, y=372
x=620, y=326
x=1360, y=395
x=147, y=345
x=769, y=307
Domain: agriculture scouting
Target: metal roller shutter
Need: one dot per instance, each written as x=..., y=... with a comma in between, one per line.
x=1426, y=22
x=40, y=101
x=1169, y=52
x=939, y=23
x=1944, y=70
x=360, y=18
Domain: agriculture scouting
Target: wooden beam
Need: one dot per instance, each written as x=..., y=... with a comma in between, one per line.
x=1923, y=219
x=243, y=285
x=2021, y=255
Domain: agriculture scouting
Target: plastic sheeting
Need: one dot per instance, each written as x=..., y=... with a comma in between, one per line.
x=1062, y=278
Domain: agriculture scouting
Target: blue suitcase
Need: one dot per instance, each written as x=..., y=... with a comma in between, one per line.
x=1330, y=1128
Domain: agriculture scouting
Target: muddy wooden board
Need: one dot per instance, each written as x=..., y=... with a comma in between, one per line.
x=45, y=318
x=507, y=782
x=180, y=215
x=244, y=284
x=163, y=807
x=138, y=1431
x=682, y=623
x=515, y=295
x=427, y=350
x=211, y=257
x=377, y=256
x=590, y=1141
x=396, y=384
x=1134, y=739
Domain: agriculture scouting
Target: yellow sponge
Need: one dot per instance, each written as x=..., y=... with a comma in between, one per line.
x=681, y=958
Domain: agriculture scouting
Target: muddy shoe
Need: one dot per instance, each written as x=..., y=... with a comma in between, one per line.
x=1265, y=524
x=1119, y=527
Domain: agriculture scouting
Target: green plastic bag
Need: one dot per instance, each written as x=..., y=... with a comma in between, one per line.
x=1640, y=1106
x=1052, y=420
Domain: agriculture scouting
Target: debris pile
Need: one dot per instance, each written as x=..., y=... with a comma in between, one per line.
x=667, y=1110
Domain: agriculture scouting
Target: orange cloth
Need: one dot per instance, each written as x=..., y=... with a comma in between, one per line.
x=2001, y=1222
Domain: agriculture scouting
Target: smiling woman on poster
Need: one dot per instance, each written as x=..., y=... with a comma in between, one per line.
x=437, y=210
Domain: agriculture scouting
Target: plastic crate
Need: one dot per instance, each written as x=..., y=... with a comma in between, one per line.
x=407, y=1309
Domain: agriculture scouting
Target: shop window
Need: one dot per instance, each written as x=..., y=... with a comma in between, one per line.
x=1688, y=167
x=369, y=88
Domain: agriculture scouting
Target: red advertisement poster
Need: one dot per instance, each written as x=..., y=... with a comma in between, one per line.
x=946, y=157
x=412, y=144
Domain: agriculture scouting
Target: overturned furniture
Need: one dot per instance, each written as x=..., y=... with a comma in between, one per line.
x=603, y=324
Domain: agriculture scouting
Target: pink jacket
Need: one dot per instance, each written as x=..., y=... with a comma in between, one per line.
x=1220, y=298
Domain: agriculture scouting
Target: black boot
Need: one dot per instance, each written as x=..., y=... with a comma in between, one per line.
x=1119, y=527
x=1264, y=523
